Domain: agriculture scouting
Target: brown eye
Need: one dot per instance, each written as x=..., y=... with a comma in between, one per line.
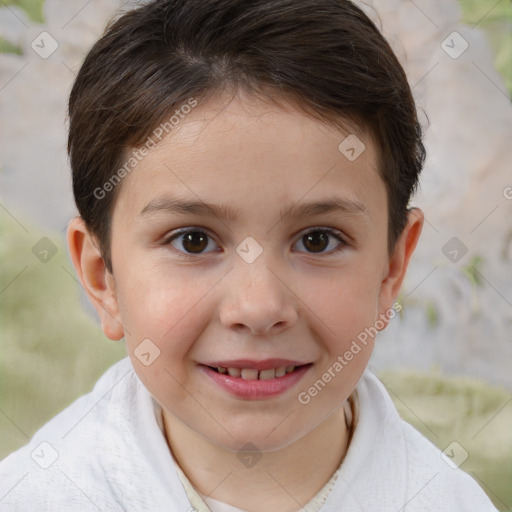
x=192, y=241
x=322, y=241
x=316, y=241
x=195, y=241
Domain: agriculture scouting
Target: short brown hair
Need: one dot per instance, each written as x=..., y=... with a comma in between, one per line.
x=326, y=56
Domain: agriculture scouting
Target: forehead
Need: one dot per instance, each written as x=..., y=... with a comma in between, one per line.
x=245, y=150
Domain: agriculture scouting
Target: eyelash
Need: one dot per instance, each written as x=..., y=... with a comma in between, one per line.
x=190, y=256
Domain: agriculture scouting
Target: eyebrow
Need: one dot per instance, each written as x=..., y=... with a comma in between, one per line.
x=227, y=212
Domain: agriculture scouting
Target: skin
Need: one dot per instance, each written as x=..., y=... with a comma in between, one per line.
x=291, y=302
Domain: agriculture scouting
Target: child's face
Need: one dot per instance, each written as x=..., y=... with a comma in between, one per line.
x=298, y=300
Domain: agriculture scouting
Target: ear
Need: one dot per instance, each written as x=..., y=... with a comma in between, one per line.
x=97, y=281
x=398, y=263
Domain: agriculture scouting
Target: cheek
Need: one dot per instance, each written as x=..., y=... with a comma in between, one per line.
x=165, y=309
x=348, y=305
x=168, y=311
x=348, y=309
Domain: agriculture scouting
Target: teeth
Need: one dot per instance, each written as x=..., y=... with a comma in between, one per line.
x=280, y=371
x=252, y=374
x=267, y=374
x=234, y=372
x=249, y=374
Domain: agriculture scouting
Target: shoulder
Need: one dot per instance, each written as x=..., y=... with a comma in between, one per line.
x=432, y=480
x=40, y=467
x=437, y=477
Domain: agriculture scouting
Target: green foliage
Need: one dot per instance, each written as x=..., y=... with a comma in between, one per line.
x=495, y=19
x=432, y=314
x=33, y=8
x=470, y=412
x=7, y=47
x=485, y=11
x=51, y=350
x=472, y=270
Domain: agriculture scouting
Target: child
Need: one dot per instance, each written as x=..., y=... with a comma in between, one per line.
x=253, y=130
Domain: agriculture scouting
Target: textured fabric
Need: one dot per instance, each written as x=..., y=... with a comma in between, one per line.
x=107, y=452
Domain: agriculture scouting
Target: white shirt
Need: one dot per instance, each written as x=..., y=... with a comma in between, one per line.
x=107, y=452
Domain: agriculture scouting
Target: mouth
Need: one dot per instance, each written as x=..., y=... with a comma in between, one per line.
x=254, y=374
x=252, y=380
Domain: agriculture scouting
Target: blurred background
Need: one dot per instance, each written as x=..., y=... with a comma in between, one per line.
x=447, y=360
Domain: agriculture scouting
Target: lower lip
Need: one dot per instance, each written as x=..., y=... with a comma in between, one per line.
x=256, y=389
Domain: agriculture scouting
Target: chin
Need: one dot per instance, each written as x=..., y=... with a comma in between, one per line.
x=257, y=437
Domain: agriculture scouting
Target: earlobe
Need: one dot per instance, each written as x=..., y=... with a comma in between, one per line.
x=399, y=260
x=98, y=283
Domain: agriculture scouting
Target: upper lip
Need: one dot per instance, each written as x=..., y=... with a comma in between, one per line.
x=265, y=364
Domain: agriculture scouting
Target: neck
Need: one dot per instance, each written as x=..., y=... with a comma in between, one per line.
x=285, y=479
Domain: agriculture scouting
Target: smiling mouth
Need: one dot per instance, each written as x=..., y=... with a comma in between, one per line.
x=253, y=374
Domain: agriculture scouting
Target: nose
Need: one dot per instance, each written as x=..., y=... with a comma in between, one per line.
x=258, y=300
